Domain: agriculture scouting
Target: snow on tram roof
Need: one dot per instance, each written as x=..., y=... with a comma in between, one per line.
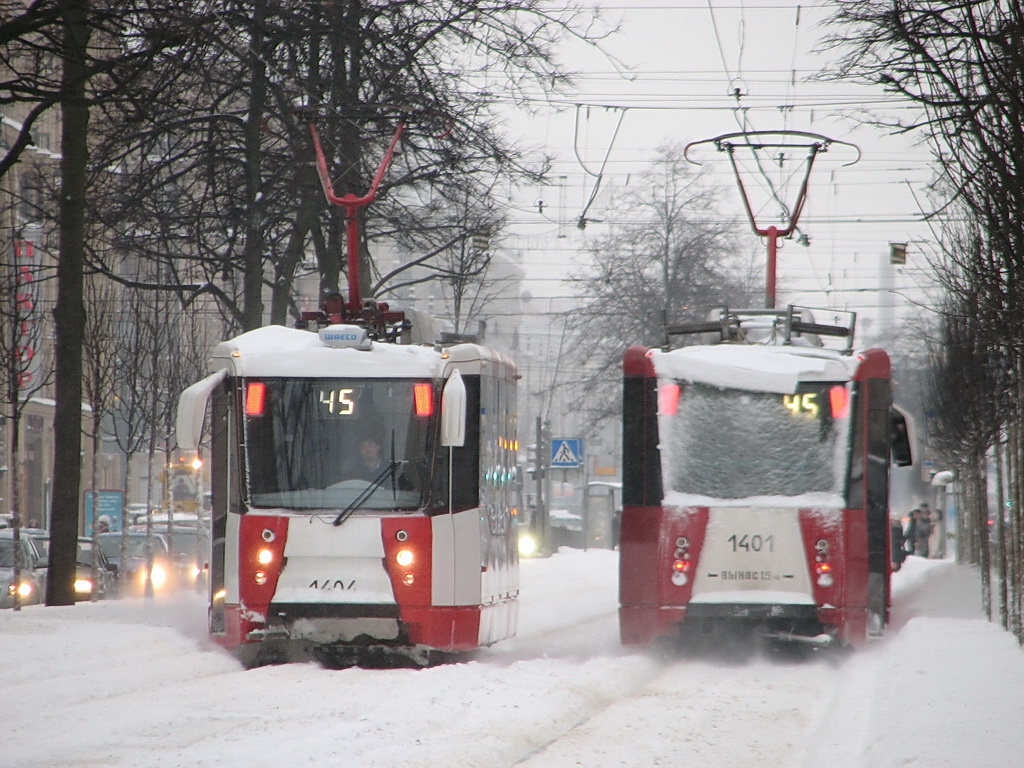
x=754, y=367
x=276, y=350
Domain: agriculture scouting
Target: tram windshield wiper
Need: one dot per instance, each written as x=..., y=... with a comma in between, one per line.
x=377, y=482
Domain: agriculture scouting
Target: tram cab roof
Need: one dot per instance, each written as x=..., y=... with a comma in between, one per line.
x=754, y=367
x=277, y=350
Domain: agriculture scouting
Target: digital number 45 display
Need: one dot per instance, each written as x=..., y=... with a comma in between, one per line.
x=806, y=403
x=339, y=402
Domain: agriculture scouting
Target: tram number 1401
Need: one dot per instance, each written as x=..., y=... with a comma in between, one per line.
x=755, y=543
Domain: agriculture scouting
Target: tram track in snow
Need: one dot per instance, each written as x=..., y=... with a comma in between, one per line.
x=706, y=710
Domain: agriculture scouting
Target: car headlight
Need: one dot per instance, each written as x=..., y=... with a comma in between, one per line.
x=527, y=545
x=83, y=586
x=23, y=590
x=158, y=576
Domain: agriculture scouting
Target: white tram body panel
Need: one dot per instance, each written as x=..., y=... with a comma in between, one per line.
x=440, y=574
x=739, y=565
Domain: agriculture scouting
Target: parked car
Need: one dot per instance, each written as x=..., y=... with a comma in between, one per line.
x=107, y=573
x=41, y=538
x=132, y=570
x=31, y=587
x=105, y=585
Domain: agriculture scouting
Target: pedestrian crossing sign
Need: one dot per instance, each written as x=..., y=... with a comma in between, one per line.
x=566, y=452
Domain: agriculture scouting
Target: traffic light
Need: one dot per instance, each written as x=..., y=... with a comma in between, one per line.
x=897, y=253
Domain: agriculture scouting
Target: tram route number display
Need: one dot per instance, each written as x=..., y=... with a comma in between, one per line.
x=806, y=403
x=830, y=401
x=337, y=402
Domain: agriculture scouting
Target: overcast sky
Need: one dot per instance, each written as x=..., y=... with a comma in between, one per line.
x=688, y=59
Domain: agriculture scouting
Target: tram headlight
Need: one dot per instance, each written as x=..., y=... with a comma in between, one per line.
x=265, y=556
x=404, y=557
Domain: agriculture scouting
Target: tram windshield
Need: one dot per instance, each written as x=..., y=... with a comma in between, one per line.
x=337, y=443
x=734, y=444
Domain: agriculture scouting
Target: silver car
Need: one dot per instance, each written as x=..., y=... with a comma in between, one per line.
x=31, y=586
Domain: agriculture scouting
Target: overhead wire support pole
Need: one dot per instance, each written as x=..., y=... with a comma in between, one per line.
x=814, y=144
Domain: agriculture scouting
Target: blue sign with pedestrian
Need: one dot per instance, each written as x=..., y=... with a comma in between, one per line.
x=566, y=452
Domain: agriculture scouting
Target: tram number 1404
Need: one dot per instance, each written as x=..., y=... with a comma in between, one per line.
x=755, y=543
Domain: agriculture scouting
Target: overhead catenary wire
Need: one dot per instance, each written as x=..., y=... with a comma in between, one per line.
x=599, y=175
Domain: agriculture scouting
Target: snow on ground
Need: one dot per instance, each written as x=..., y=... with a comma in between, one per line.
x=130, y=683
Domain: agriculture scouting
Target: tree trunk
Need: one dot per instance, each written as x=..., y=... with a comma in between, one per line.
x=1000, y=532
x=94, y=484
x=982, y=527
x=281, y=291
x=69, y=314
x=1016, y=466
x=252, y=306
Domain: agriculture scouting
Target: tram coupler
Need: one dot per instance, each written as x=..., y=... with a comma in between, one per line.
x=821, y=640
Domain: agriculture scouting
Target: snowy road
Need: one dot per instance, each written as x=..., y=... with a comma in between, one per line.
x=129, y=684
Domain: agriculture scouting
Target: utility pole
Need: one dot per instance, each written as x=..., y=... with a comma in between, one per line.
x=542, y=522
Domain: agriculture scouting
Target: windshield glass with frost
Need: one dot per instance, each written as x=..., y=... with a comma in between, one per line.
x=733, y=444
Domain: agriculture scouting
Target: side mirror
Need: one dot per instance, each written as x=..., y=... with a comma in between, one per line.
x=192, y=410
x=899, y=439
x=453, y=412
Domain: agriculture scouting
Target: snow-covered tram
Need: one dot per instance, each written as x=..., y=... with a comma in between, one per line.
x=756, y=470
x=362, y=495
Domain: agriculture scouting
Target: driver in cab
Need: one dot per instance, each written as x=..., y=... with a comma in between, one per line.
x=368, y=464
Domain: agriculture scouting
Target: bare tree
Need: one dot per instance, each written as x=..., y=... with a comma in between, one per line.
x=213, y=153
x=71, y=53
x=102, y=376
x=130, y=411
x=69, y=313
x=964, y=391
x=455, y=238
x=670, y=257
x=961, y=63
x=24, y=369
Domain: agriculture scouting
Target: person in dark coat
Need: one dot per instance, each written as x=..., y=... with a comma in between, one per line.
x=909, y=536
x=923, y=530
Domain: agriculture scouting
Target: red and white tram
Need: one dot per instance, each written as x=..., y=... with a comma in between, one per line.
x=362, y=494
x=756, y=483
